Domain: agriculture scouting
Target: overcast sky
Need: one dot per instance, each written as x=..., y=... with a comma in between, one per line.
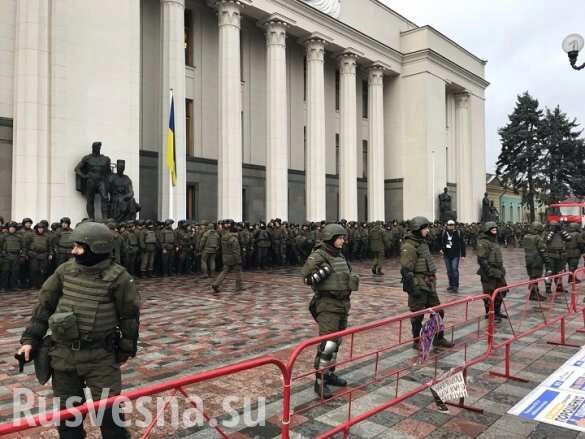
x=521, y=40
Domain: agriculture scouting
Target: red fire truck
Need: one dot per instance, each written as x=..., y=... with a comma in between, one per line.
x=567, y=212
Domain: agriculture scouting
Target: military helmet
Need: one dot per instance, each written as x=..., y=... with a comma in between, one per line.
x=96, y=236
x=330, y=231
x=574, y=227
x=65, y=220
x=12, y=224
x=486, y=227
x=537, y=227
x=26, y=220
x=54, y=226
x=418, y=223
x=45, y=223
x=169, y=222
x=38, y=225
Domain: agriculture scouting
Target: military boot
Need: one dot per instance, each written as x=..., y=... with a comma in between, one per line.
x=379, y=271
x=334, y=380
x=321, y=387
x=498, y=314
x=441, y=342
x=535, y=295
x=374, y=269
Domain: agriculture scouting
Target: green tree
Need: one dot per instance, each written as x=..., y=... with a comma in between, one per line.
x=563, y=156
x=519, y=164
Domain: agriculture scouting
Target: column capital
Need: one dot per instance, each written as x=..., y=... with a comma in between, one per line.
x=462, y=99
x=275, y=32
x=228, y=12
x=348, y=63
x=376, y=74
x=315, y=49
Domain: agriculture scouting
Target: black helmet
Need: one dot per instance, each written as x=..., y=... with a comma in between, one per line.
x=96, y=236
x=65, y=219
x=418, y=223
x=330, y=231
x=26, y=220
x=169, y=222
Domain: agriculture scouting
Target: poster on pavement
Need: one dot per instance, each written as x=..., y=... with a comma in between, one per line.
x=560, y=399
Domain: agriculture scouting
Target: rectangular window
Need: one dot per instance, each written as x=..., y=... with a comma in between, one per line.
x=366, y=207
x=365, y=158
x=305, y=79
x=337, y=153
x=190, y=142
x=193, y=201
x=337, y=87
x=365, y=99
x=188, y=38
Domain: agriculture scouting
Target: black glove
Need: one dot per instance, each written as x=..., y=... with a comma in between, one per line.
x=407, y=281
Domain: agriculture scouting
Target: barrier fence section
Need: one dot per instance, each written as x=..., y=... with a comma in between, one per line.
x=468, y=329
x=176, y=386
x=579, y=294
x=468, y=319
x=530, y=308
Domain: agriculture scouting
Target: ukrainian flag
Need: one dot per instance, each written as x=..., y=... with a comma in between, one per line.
x=171, y=153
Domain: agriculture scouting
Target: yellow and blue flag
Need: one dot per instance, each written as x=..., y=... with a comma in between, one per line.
x=171, y=153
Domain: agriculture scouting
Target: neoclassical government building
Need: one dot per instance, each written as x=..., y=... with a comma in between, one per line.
x=296, y=109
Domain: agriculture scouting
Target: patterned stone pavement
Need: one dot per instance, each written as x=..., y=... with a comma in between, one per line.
x=186, y=328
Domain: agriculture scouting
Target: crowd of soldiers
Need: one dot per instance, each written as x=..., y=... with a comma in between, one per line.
x=147, y=248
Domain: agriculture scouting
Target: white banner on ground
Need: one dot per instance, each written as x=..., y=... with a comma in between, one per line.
x=451, y=388
x=560, y=399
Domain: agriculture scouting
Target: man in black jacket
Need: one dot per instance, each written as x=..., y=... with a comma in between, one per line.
x=452, y=249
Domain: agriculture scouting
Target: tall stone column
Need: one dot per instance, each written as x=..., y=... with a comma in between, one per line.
x=277, y=119
x=464, y=171
x=172, y=200
x=230, y=112
x=30, y=163
x=348, y=207
x=376, y=209
x=315, y=154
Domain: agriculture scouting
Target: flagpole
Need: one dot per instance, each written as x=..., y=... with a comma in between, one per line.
x=171, y=188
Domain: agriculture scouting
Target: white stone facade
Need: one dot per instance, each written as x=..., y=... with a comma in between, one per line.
x=292, y=113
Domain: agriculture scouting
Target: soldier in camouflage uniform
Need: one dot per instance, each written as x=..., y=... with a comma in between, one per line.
x=376, y=244
x=11, y=255
x=491, y=267
x=209, y=247
x=25, y=232
x=574, y=248
x=167, y=246
x=63, y=242
x=131, y=247
x=148, y=243
x=262, y=244
x=556, y=249
x=419, y=279
x=38, y=248
x=184, y=241
x=231, y=256
x=328, y=273
x=535, y=257
x=92, y=307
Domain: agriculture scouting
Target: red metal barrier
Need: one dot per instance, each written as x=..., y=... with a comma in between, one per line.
x=579, y=295
x=468, y=318
x=176, y=385
x=556, y=309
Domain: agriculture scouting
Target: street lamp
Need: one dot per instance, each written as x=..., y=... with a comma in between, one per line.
x=573, y=44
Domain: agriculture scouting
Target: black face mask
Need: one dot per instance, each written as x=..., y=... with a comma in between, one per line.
x=89, y=258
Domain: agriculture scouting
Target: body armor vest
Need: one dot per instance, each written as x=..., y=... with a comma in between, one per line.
x=149, y=237
x=12, y=244
x=573, y=250
x=212, y=241
x=556, y=243
x=65, y=242
x=88, y=295
x=339, y=279
x=424, y=260
x=531, y=248
x=39, y=243
x=132, y=239
x=167, y=237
